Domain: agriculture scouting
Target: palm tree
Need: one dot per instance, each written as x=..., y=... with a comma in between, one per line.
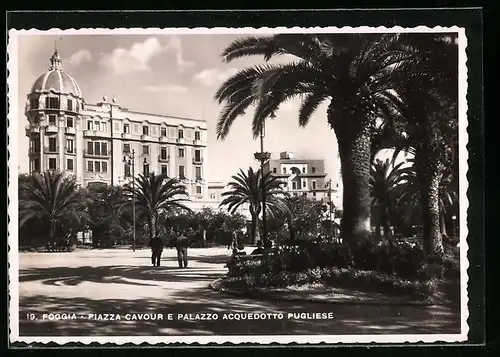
x=384, y=179
x=156, y=195
x=354, y=72
x=246, y=189
x=54, y=198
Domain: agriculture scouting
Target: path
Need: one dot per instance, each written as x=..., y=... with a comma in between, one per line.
x=123, y=282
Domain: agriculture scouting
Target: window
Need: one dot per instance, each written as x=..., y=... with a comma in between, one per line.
x=52, y=103
x=304, y=184
x=163, y=153
x=97, y=148
x=145, y=149
x=52, y=119
x=197, y=155
x=181, y=152
x=69, y=122
x=213, y=196
x=313, y=169
x=145, y=169
x=52, y=145
x=284, y=170
x=70, y=105
x=36, y=164
x=69, y=146
x=198, y=189
x=90, y=148
x=127, y=170
x=198, y=172
x=274, y=170
x=52, y=163
x=197, y=135
x=90, y=125
x=69, y=164
x=304, y=194
x=97, y=166
x=180, y=134
x=164, y=170
x=126, y=128
x=314, y=185
x=104, y=126
x=97, y=126
x=181, y=172
x=104, y=166
x=126, y=148
x=294, y=185
x=145, y=130
x=314, y=194
x=303, y=170
x=104, y=149
x=34, y=103
x=163, y=132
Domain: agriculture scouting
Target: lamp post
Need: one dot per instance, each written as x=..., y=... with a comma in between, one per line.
x=129, y=159
x=263, y=157
x=454, y=219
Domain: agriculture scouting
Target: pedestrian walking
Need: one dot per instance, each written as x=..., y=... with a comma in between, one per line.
x=182, y=246
x=156, y=249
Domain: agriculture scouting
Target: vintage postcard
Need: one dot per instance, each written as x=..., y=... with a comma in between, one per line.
x=233, y=185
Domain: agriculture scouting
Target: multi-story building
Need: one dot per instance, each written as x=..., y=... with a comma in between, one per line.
x=95, y=142
x=305, y=177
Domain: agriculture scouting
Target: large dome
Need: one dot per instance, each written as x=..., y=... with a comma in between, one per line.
x=56, y=80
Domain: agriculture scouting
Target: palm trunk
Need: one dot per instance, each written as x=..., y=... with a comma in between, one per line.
x=429, y=178
x=255, y=228
x=52, y=233
x=385, y=219
x=354, y=141
x=443, y=224
x=152, y=226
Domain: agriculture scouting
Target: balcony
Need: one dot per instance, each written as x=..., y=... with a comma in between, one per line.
x=199, y=179
x=198, y=161
x=34, y=151
x=97, y=133
x=70, y=151
x=51, y=150
x=97, y=155
x=197, y=142
x=32, y=129
x=147, y=137
x=163, y=158
x=127, y=136
x=180, y=140
x=70, y=131
x=51, y=128
x=163, y=139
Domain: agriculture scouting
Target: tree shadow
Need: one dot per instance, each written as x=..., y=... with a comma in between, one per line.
x=347, y=319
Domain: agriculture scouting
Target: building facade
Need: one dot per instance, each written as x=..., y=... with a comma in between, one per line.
x=97, y=142
x=303, y=177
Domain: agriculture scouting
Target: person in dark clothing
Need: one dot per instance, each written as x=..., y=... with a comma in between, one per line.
x=259, y=249
x=156, y=250
x=182, y=245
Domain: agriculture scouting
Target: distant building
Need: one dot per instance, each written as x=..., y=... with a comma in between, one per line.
x=303, y=177
x=94, y=142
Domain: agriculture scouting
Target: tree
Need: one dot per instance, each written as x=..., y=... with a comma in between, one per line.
x=56, y=199
x=384, y=179
x=246, y=189
x=354, y=72
x=155, y=196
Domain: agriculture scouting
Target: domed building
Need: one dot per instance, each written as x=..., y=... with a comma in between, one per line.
x=106, y=143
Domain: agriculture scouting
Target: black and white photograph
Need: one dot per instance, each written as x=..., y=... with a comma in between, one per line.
x=238, y=185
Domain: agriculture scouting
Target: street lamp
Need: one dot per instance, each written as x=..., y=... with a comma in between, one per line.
x=454, y=218
x=263, y=157
x=129, y=159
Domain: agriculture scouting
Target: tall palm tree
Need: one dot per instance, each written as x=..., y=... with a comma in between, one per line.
x=54, y=198
x=353, y=72
x=156, y=195
x=246, y=189
x=384, y=179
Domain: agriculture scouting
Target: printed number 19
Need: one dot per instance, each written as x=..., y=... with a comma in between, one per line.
x=30, y=316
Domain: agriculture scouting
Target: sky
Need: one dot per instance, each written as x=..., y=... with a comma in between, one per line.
x=175, y=75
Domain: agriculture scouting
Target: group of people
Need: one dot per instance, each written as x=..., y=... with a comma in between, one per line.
x=181, y=244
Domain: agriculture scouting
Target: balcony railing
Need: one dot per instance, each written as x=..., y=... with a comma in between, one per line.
x=34, y=151
x=180, y=140
x=51, y=128
x=70, y=151
x=164, y=158
x=98, y=133
x=94, y=154
x=70, y=130
x=163, y=139
x=51, y=150
x=199, y=179
x=197, y=142
x=146, y=137
x=198, y=161
x=126, y=136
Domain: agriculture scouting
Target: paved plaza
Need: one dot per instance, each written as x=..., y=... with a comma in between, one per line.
x=124, y=282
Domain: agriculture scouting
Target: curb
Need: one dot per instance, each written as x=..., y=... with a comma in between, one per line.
x=216, y=285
